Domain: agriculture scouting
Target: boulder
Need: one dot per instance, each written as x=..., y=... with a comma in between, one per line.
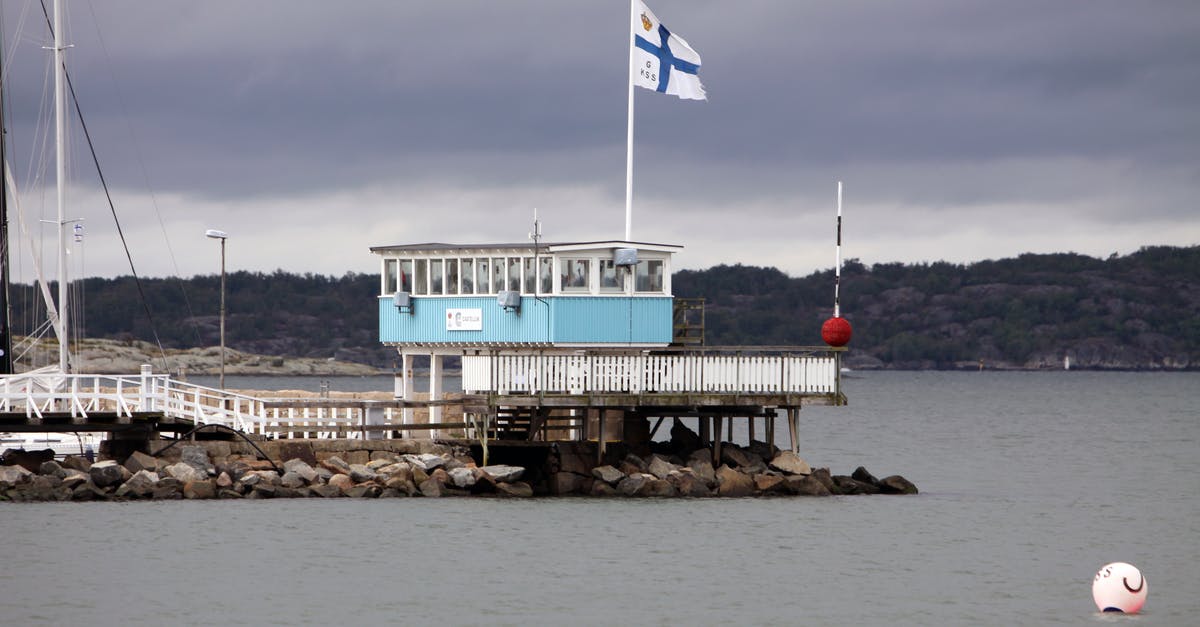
x=895, y=484
x=368, y=491
x=301, y=468
x=601, y=488
x=88, y=492
x=517, y=488
x=764, y=450
x=357, y=457
x=108, y=473
x=361, y=473
x=396, y=469
x=224, y=481
x=565, y=483
x=52, y=468
x=401, y=483
x=418, y=474
x=658, y=488
x=75, y=478
x=203, y=489
x=141, y=484
x=236, y=469
x=327, y=491
x=608, y=474
x=168, y=488
x=139, y=461
x=425, y=461
x=196, y=457
x=430, y=487
x=462, y=477
x=263, y=491
x=29, y=460
x=849, y=485
x=77, y=463
x=703, y=469
x=632, y=484
x=229, y=494
x=504, y=473
x=336, y=465
x=181, y=471
x=860, y=474
x=341, y=482
x=742, y=459
x=635, y=461
x=659, y=467
x=378, y=463
x=790, y=463
x=484, y=483
x=767, y=484
x=292, y=480
x=733, y=483
x=683, y=439
x=822, y=475
x=805, y=485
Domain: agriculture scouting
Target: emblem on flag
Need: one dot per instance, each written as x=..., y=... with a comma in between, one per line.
x=663, y=61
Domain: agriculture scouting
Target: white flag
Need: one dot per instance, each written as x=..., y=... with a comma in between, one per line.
x=663, y=61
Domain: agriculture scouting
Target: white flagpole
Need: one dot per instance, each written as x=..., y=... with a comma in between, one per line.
x=629, y=137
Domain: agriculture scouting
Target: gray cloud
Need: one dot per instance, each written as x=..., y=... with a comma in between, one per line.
x=963, y=129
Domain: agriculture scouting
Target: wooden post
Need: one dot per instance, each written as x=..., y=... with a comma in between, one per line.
x=704, y=424
x=716, y=451
x=771, y=430
x=793, y=417
x=751, y=428
x=729, y=431
x=600, y=439
x=435, y=391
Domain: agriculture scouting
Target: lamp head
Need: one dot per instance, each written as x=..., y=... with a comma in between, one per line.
x=215, y=234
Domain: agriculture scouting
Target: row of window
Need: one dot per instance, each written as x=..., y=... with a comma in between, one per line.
x=489, y=275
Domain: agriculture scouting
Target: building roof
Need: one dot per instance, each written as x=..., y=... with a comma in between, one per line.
x=548, y=246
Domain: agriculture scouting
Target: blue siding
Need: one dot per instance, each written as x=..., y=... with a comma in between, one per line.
x=571, y=319
x=639, y=320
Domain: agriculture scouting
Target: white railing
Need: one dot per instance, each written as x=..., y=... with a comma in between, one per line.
x=809, y=371
x=78, y=395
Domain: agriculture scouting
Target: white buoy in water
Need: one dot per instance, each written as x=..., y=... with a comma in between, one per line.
x=1119, y=587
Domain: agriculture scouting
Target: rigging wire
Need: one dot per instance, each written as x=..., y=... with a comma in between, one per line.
x=137, y=153
x=112, y=208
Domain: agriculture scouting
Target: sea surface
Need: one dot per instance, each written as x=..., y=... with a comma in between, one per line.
x=1030, y=482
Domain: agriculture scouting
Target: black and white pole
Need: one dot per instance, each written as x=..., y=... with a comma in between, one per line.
x=836, y=330
x=837, y=268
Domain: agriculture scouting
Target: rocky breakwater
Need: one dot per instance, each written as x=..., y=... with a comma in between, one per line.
x=194, y=475
x=683, y=466
x=741, y=473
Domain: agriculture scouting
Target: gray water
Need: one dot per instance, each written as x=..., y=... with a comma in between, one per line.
x=1030, y=482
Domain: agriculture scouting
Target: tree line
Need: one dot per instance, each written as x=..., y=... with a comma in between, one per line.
x=1132, y=311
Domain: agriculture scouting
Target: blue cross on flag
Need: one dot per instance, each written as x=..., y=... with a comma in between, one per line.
x=662, y=60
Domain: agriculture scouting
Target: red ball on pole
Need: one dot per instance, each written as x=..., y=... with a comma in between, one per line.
x=836, y=331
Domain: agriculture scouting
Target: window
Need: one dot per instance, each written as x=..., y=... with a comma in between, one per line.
x=421, y=277
x=436, y=277
x=575, y=275
x=468, y=276
x=530, y=276
x=514, y=274
x=545, y=272
x=406, y=275
x=389, y=276
x=610, y=277
x=451, y=276
x=650, y=275
x=483, y=283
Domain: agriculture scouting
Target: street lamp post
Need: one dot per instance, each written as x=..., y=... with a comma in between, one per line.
x=221, y=235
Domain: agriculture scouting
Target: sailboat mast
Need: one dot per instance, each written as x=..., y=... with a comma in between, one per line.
x=60, y=173
x=6, y=362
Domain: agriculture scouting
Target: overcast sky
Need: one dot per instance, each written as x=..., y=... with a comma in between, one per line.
x=310, y=131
